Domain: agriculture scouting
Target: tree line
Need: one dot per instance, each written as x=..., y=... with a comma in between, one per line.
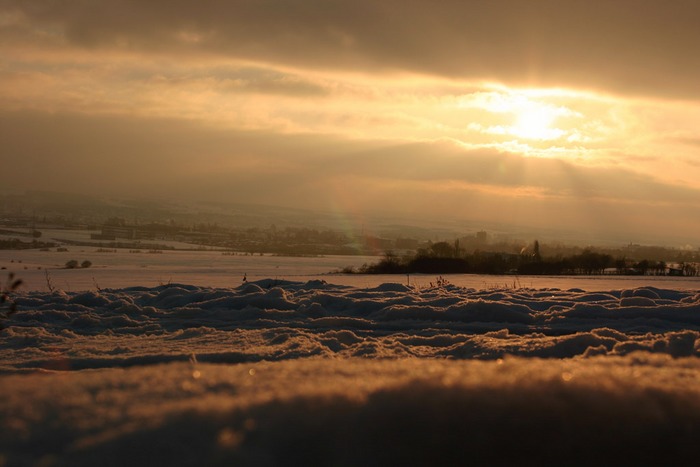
x=445, y=258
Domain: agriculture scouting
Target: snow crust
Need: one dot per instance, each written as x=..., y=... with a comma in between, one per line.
x=281, y=320
x=309, y=373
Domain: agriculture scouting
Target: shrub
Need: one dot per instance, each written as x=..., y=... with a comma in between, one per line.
x=7, y=305
x=86, y=264
x=72, y=264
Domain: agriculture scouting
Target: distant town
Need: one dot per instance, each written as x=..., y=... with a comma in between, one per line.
x=470, y=253
x=45, y=225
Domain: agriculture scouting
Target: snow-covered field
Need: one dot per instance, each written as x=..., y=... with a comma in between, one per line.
x=276, y=372
x=121, y=268
x=125, y=268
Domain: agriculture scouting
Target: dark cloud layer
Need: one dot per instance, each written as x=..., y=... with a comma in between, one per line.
x=149, y=151
x=630, y=46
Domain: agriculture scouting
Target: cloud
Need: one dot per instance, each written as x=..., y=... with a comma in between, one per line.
x=627, y=46
x=134, y=157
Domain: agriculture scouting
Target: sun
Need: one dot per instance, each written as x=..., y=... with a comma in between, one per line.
x=523, y=114
x=534, y=121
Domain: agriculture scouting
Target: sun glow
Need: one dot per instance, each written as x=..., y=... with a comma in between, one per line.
x=534, y=121
x=524, y=114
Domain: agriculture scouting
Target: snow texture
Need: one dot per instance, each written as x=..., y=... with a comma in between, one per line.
x=290, y=373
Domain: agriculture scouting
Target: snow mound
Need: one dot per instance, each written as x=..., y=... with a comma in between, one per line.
x=282, y=320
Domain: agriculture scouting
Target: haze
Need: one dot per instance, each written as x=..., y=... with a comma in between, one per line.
x=569, y=114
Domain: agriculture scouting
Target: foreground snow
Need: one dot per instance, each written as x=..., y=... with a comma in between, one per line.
x=358, y=412
x=286, y=373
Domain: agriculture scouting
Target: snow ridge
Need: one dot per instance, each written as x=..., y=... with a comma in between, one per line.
x=282, y=320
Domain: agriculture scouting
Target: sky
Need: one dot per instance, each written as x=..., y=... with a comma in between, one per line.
x=581, y=115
